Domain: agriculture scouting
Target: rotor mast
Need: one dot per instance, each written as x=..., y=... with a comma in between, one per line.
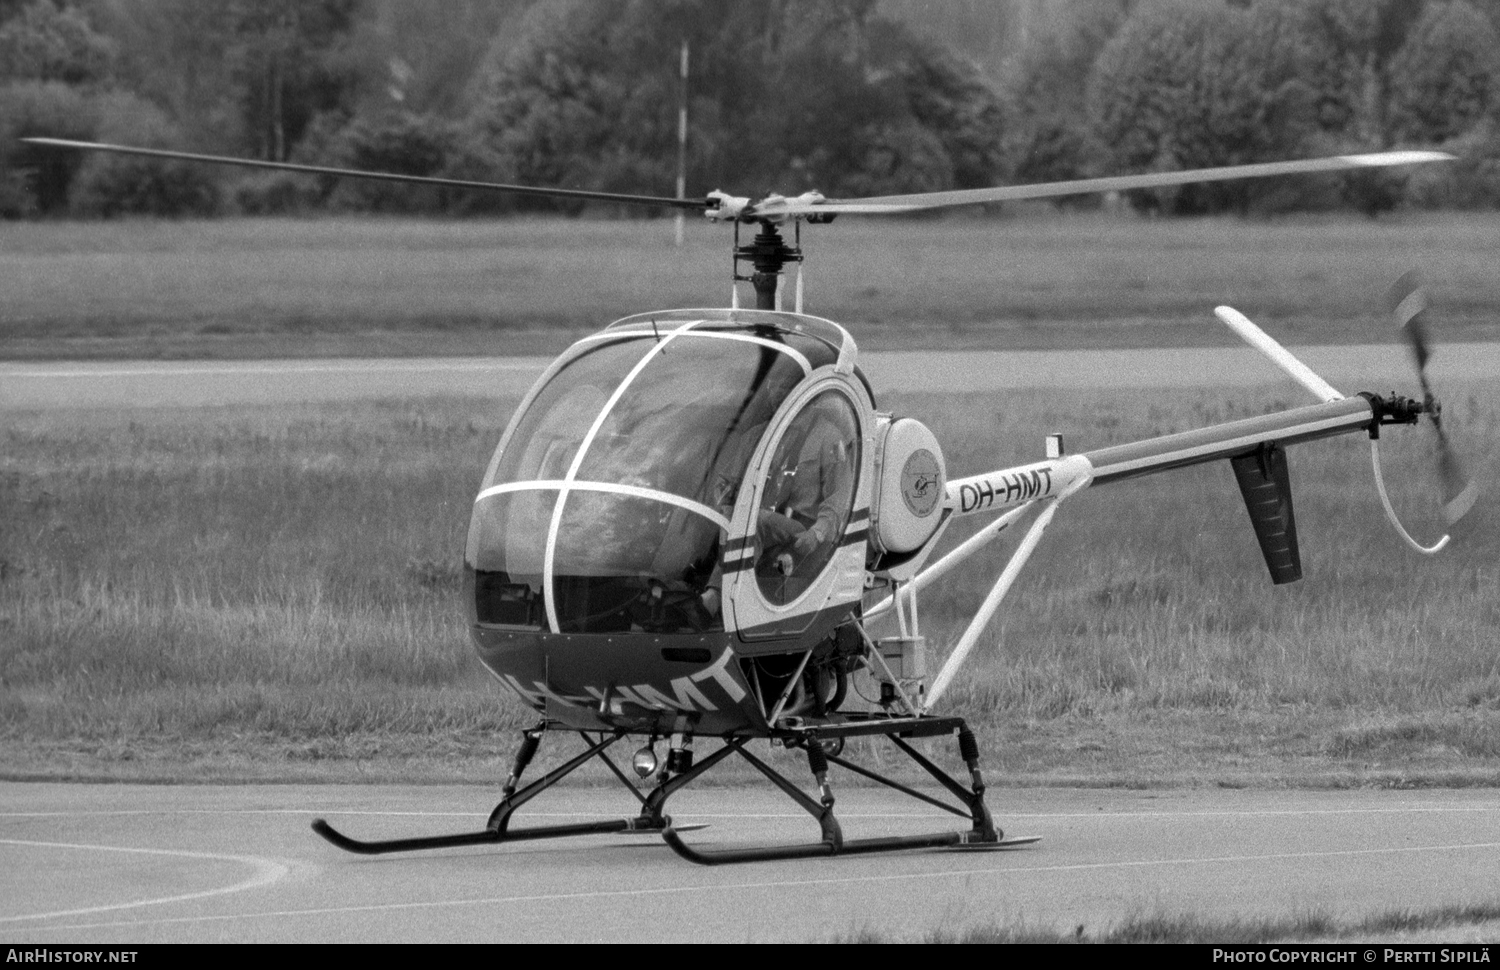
x=767, y=254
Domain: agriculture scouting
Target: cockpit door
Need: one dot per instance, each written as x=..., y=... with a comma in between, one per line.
x=799, y=533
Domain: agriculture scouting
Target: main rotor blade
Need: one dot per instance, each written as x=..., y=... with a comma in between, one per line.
x=700, y=205
x=890, y=204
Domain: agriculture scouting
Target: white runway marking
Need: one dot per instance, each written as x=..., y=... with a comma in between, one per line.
x=791, y=884
x=266, y=873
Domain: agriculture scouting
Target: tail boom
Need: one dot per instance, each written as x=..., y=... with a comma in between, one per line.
x=1234, y=438
x=1009, y=488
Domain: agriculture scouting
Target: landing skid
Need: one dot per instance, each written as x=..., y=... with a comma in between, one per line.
x=498, y=828
x=982, y=835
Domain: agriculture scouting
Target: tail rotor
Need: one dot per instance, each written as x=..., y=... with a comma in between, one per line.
x=1408, y=302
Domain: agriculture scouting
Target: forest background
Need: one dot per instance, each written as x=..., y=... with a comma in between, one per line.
x=849, y=97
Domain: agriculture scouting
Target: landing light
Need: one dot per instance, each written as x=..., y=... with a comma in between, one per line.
x=644, y=762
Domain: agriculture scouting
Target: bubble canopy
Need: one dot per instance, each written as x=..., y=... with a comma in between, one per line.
x=608, y=502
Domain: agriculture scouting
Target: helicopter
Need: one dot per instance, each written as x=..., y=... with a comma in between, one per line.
x=694, y=516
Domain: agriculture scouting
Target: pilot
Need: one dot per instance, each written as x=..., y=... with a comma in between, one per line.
x=807, y=494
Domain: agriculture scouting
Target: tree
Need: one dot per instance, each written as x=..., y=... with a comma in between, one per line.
x=1446, y=76
x=115, y=185
x=1442, y=86
x=951, y=102
x=45, y=42
x=421, y=57
x=1049, y=134
x=785, y=96
x=393, y=141
x=1191, y=85
x=35, y=181
x=285, y=57
x=172, y=53
x=1344, y=71
x=52, y=65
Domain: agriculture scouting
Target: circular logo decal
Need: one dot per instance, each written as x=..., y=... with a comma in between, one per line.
x=920, y=483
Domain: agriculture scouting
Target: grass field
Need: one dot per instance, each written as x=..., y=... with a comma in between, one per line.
x=249, y=288
x=1450, y=924
x=258, y=593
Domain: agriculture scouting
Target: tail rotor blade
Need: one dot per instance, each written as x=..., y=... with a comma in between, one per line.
x=1463, y=490
x=1408, y=302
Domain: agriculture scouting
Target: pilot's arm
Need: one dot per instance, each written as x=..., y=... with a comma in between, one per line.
x=832, y=485
x=822, y=483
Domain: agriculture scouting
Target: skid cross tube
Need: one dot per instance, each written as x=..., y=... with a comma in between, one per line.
x=651, y=809
x=984, y=834
x=500, y=818
x=618, y=773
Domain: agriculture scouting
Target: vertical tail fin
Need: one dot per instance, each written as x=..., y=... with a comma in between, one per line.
x=1267, y=487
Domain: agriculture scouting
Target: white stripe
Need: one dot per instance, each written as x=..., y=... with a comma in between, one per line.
x=670, y=498
x=791, y=352
x=613, y=335
x=1250, y=439
x=537, y=484
x=266, y=872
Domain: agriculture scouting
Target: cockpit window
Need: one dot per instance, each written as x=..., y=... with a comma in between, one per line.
x=689, y=420
x=807, y=497
x=624, y=563
x=608, y=508
x=547, y=436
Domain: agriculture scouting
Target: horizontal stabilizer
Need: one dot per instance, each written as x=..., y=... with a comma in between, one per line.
x=1267, y=487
